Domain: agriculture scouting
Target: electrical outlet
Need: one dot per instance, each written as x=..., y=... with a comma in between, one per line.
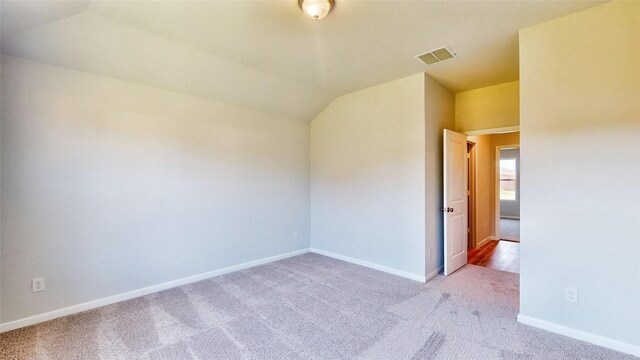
x=571, y=295
x=37, y=284
x=296, y=235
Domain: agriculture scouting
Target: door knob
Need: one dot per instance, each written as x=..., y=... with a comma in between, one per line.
x=449, y=209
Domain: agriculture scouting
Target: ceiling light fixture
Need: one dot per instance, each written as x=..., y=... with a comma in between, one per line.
x=316, y=9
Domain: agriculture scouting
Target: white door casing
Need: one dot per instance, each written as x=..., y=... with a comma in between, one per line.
x=455, y=201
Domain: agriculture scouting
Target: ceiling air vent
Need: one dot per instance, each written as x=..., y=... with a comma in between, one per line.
x=436, y=56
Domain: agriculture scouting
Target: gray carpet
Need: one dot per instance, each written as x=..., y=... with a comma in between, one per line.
x=510, y=229
x=307, y=307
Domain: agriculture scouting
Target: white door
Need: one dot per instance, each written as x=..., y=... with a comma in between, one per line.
x=455, y=201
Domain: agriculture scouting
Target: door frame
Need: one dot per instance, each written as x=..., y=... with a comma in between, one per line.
x=497, y=184
x=492, y=131
x=473, y=185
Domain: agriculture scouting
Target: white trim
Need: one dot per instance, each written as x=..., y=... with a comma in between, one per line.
x=434, y=273
x=370, y=265
x=500, y=130
x=580, y=335
x=35, y=319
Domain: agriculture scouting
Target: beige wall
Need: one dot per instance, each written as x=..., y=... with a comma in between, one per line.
x=487, y=108
x=484, y=189
x=376, y=175
x=109, y=186
x=368, y=176
x=580, y=125
x=439, y=114
x=486, y=181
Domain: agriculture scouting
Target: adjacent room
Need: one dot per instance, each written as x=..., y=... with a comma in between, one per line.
x=494, y=192
x=319, y=179
x=509, y=198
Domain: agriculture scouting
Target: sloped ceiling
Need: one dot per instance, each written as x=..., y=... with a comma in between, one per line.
x=267, y=55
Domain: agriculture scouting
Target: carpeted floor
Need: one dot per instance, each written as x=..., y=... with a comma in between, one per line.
x=308, y=307
x=510, y=229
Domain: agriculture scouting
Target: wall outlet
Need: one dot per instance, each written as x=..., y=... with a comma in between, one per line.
x=296, y=235
x=37, y=284
x=571, y=295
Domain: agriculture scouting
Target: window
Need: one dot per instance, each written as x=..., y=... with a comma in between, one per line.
x=507, y=179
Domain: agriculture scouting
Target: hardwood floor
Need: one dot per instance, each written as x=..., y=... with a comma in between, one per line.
x=499, y=255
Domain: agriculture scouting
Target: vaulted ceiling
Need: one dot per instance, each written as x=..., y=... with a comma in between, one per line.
x=267, y=55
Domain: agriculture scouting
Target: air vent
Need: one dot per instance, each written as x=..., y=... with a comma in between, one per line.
x=436, y=56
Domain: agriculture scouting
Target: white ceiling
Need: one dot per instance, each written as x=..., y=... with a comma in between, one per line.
x=267, y=55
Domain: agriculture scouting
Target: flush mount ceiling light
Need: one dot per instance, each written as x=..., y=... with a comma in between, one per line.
x=315, y=9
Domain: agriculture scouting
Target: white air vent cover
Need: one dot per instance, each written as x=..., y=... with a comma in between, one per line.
x=436, y=56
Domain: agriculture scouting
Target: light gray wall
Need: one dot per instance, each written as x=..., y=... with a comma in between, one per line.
x=108, y=186
x=368, y=176
x=511, y=208
x=439, y=114
x=580, y=125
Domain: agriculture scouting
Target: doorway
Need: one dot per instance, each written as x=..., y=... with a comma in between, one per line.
x=508, y=194
x=494, y=199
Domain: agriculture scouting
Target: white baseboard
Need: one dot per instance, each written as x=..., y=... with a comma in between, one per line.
x=434, y=273
x=371, y=265
x=580, y=335
x=35, y=319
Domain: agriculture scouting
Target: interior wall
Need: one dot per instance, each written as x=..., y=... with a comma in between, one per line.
x=511, y=208
x=488, y=108
x=484, y=189
x=109, y=186
x=439, y=115
x=486, y=182
x=581, y=174
x=368, y=176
